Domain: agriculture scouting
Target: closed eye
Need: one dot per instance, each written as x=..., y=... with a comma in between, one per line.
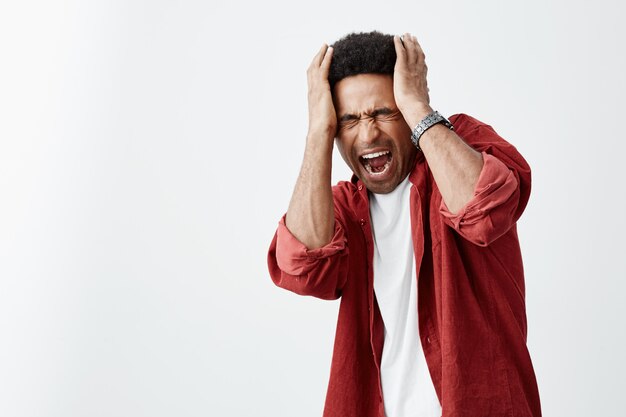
x=385, y=114
x=348, y=121
x=382, y=114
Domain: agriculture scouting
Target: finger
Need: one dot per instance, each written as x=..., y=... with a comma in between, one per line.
x=420, y=51
x=411, y=50
x=325, y=65
x=400, y=52
x=417, y=45
x=317, y=60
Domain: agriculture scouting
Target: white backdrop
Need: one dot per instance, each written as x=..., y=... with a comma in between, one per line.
x=148, y=149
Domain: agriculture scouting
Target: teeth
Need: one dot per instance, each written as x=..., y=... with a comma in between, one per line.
x=369, y=168
x=374, y=155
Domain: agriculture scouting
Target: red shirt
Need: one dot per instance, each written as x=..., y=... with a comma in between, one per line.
x=470, y=280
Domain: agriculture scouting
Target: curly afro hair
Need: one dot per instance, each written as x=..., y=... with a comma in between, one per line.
x=362, y=53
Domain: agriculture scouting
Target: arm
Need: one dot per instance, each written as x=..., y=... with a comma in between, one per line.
x=485, y=186
x=320, y=272
x=308, y=254
x=502, y=190
x=310, y=216
x=455, y=165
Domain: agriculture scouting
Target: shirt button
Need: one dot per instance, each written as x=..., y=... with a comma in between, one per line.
x=362, y=221
x=428, y=339
x=360, y=187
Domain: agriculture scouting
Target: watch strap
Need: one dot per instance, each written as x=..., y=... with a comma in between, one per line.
x=425, y=124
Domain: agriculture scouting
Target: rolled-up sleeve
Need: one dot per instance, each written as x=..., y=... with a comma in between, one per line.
x=491, y=211
x=319, y=272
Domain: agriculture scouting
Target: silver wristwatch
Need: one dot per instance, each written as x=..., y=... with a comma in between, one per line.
x=425, y=124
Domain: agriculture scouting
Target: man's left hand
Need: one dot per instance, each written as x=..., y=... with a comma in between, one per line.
x=410, y=87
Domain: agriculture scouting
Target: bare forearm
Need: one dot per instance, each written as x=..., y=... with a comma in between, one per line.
x=454, y=164
x=310, y=217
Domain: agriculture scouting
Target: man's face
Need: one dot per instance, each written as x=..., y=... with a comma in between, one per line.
x=372, y=136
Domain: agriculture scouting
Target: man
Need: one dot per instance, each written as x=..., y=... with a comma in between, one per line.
x=421, y=245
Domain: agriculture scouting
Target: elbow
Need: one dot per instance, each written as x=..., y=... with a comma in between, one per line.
x=304, y=285
x=319, y=273
x=325, y=281
x=483, y=227
x=454, y=207
x=483, y=233
x=490, y=213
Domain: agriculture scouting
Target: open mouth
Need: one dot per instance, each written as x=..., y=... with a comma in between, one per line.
x=376, y=163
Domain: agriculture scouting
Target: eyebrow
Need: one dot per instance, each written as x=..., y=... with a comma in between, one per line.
x=381, y=111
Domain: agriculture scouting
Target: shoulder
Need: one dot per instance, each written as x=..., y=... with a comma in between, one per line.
x=466, y=125
x=478, y=134
x=462, y=120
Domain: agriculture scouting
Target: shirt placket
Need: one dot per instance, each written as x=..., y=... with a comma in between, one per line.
x=428, y=335
x=363, y=215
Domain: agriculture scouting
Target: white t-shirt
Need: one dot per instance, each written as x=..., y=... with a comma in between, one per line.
x=408, y=389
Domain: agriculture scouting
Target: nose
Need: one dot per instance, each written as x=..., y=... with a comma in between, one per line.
x=368, y=131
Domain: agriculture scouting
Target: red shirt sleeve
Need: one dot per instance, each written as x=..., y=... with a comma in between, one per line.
x=491, y=211
x=317, y=272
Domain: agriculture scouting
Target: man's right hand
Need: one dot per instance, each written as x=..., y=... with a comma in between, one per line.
x=311, y=216
x=322, y=117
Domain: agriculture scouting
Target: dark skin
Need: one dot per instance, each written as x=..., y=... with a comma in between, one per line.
x=374, y=113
